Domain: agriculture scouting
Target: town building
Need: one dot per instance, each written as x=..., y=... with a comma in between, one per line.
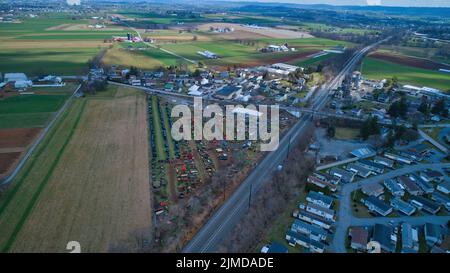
x=425, y=204
x=410, y=239
x=343, y=175
x=359, y=237
x=319, y=199
x=384, y=161
x=375, y=167
x=383, y=235
x=402, y=206
x=372, y=189
x=393, y=187
x=410, y=186
x=376, y=205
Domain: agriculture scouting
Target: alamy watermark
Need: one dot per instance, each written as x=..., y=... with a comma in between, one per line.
x=241, y=123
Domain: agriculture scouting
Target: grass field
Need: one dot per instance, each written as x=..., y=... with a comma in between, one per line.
x=26, y=111
x=313, y=61
x=378, y=69
x=35, y=46
x=101, y=200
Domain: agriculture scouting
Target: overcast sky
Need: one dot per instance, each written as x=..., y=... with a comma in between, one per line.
x=407, y=3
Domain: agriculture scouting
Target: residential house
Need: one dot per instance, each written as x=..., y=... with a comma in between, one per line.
x=384, y=161
x=413, y=156
x=376, y=205
x=425, y=204
x=314, y=232
x=345, y=176
x=432, y=176
x=359, y=170
x=402, y=206
x=433, y=233
x=274, y=248
x=312, y=219
x=372, y=189
x=393, y=187
x=410, y=186
x=228, y=92
x=423, y=185
x=444, y=187
x=375, y=167
x=319, y=199
x=410, y=239
x=442, y=199
x=295, y=238
x=328, y=214
x=359, y=238
x=323, y=181
x=398, y=158
x=383, y=234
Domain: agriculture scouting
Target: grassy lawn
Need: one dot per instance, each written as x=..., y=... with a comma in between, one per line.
x=346, y=133
x=358, y=209
x=379, y=69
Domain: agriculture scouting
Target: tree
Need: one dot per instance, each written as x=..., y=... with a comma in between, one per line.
x=369, y=127
x=439, y=108
x=398, y=108
x=331, y=131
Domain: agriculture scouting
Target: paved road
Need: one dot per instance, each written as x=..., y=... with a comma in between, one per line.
x=433, y=141
x=41, y=136
x=345, y=215
x=227, y=216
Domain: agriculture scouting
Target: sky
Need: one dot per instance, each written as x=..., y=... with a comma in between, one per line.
x=404, y=3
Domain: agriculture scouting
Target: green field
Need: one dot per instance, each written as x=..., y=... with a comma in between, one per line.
x=31, y=104
x=311, y=61
x=378, y=70
x=26, y=111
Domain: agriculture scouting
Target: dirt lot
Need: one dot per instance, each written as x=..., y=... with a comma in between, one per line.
x=19, y=137
x=242, y=32
x=409, y=61
x=7, y=160
x=99, y=192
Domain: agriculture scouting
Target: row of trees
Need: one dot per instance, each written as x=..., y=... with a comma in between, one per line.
x=438, y=108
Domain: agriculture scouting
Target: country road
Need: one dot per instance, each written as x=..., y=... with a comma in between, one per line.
x=347, y=219
x=228, y=215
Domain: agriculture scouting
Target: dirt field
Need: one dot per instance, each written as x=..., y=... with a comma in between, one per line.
x=7, y=160
x=99, y=193
x=19, y=137
x=242, y=32
x=266, y=59
x=409, y=61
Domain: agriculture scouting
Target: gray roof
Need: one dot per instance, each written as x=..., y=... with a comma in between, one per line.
x=299, y=225
x=382, y=234
x=323, y=198
x=402, y=206
x=392, y=185
x=382, y=206
x=359, y=169
x=371, y=164
x=427, y=203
